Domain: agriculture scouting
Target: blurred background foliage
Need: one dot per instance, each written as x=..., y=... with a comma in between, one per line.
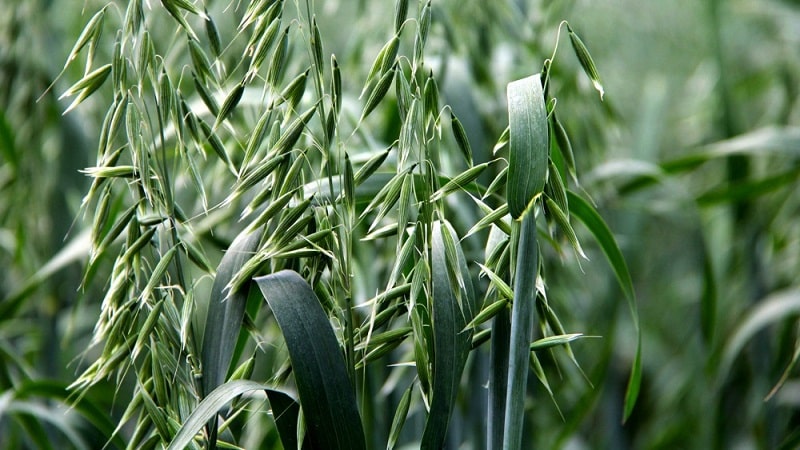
x=693, y=159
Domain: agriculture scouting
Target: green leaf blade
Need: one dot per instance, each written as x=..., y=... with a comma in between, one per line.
x=453, y=309
x=522, y=320
x=581, y=209
x=225, y=312
x=326, y=396
x=528, y=143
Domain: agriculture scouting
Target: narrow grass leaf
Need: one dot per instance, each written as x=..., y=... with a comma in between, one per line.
x=498, y=379
x=708, y=302
x=589, y=216
x=595, y=224
x=749, y=189
x=528, y=142
x=286, y=412
x=209, y=408
x=326, y=396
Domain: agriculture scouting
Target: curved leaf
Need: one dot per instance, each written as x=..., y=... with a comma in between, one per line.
x=779, y=306
x=326, y=394
x=589, y=216
x=225, y=312
x=215, y=401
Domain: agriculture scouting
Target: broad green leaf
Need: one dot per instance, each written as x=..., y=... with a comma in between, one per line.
x=225, y=312
x=453, y=308
x=528, y=143
x=522, y=320
x=326, y=395
x=581, y=209
x=286, y=412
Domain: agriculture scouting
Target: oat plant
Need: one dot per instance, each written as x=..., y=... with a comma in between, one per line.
x=300, y=249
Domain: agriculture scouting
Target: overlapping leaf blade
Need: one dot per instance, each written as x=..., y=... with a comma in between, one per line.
x=221, y=396
x=225, y=312
x=450, y=339
x=326, y=396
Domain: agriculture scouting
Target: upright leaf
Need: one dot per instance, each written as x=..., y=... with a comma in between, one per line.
x=528, y=143
x=453, y=309
x=522, y=320
x=225, y=312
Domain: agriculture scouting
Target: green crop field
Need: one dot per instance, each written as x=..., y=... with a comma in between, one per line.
x=435, y=224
